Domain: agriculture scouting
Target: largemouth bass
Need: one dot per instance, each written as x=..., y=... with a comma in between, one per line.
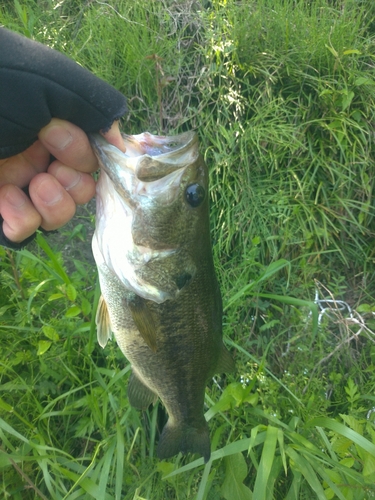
x=160, y=295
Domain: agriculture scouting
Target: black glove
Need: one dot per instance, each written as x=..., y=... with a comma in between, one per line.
x=37, y=84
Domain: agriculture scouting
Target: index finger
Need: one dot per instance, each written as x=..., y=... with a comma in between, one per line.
x=69, y=144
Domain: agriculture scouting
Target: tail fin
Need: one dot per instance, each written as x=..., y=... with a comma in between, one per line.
x=184, y=438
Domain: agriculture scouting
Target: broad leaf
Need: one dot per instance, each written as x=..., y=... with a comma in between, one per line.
x=236, y=471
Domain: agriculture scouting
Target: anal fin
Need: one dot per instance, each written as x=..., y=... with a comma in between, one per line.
x=103, y=323
x=140, y=396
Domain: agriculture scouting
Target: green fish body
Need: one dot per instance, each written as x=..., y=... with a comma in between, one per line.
x=160, y=295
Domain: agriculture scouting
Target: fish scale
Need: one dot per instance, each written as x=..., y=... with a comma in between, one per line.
x=160, y=296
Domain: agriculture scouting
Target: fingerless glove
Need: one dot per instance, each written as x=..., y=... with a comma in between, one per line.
x=38, y=83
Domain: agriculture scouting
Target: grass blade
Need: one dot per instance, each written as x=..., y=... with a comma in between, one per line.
x=120, y=460
x=297, y=303
x=272, y=269
x=51, y=254
x=265, y=465
x=202, y=491
x=303, y=466
x=344, y=431
x=236, y=447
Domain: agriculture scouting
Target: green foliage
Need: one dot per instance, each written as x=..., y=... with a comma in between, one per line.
x=235, y=473
x=282, y=94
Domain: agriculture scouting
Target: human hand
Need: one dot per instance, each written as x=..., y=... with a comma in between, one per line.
x=65, y=98
x=54, y=188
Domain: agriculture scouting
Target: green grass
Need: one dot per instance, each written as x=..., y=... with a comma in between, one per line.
x=282, y=95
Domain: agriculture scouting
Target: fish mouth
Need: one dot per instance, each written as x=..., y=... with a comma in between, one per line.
x=152, y=166
x=157, y=145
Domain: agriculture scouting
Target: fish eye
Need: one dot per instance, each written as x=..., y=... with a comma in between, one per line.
x=195, y=195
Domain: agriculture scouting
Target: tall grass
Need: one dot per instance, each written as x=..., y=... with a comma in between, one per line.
x=282, y=95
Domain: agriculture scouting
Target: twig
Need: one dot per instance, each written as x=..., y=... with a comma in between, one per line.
x=159, y=85
x=15, y=273
x=24, y=476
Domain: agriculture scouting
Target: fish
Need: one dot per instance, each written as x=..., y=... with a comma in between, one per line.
x=160, y=296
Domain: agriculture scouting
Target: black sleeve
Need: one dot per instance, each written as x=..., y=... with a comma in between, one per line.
x=37, y=84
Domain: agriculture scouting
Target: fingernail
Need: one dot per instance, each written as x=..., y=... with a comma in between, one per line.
x=51, y=194
x=57, y=137
x=67, y=177
x=16, y=199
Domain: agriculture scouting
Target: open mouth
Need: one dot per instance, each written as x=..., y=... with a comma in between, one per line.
x=156, y=145
x=152, y=165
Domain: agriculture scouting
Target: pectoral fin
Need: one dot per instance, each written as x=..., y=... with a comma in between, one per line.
x=139, y=395
x=225, y=363
x=144, y=321
x=103, y=323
